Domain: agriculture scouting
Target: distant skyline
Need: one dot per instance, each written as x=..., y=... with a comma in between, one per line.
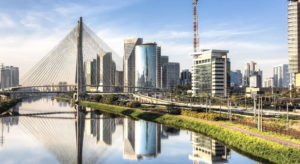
x=252, y=30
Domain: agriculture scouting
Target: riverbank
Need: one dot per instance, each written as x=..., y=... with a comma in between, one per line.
x=255, y=146
x=6, y=105
x=63, y=99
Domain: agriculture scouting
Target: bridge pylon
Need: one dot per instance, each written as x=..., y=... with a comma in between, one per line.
x=80, y=78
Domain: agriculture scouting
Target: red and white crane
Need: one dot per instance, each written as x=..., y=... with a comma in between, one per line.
x=196, y=34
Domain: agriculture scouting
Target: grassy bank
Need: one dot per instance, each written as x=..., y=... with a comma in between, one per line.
x=4, y=106
x=63, y=99
x=254, y=146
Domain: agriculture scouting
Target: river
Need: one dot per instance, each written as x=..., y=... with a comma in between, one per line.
x=49, y=131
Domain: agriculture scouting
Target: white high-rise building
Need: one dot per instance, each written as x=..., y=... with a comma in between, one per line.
x=211, y=73
x=293, y=39
x=249, y=69
x=268, y=83
x=281, y=76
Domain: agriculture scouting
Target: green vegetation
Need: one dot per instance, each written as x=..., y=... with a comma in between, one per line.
x=111, y=99
x=211, y=116
x=268, y=133
x=172, y=109
x=255, y=146
x=63, y=99
x=133, y=104
x=4, y=106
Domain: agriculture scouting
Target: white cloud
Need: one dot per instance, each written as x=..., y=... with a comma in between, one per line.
x=42, y=30
x=227, y=33
x=6, y=21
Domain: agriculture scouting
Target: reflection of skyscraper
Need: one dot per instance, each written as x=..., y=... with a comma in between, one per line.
x=105, y=128
x=168, y=131
x=129, y=140
x=141, y=139
x=207, y=150
x=90, y=125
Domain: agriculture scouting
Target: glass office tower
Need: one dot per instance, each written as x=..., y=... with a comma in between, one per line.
x=145, y=66
x=129, y=63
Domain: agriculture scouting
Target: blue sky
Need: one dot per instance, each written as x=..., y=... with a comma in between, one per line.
x=250, y=29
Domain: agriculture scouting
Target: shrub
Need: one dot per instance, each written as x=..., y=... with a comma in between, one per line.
x=111, y=99
x=134, y=104
x=4, y=106
x=122, y=103
x=172, y=109
x=204, y=116
x=97, y=98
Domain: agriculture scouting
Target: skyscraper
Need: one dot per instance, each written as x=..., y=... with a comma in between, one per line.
x=249, y=69
x=129, y=63
x=146, y=65
x=293, y=39
x=164, y=60
x=105, y=67
x=90, y=68
x=158, y=67
x=268, y=83
x=170, y=75
x=211, y=73
x=185, y=77
x=119, y=80
x=14, y=76
x=281, y=76
x=255, y=80
x=9, y=76
x=236, y=78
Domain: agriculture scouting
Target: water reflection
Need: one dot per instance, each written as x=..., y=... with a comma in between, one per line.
x=87, y=136
x=207, y=150
x=141, y=139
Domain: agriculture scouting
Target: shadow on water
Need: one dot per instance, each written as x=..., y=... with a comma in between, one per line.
x=127, y=112
x=262, y=160
x=108, y=115
x=149, y=116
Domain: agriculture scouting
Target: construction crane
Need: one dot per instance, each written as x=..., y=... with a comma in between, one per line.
x=196, y=34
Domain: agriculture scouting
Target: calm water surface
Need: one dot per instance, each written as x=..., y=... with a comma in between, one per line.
x=48, y=131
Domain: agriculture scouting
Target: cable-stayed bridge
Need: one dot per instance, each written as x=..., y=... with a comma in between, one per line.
x=66, y=67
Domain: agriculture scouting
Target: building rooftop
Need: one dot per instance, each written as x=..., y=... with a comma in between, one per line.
x=213, y=52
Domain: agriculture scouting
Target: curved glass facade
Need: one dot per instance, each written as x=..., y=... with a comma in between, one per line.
x=145, y=65
x=146, y=143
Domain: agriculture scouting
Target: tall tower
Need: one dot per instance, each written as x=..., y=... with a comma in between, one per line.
x=196, y=34
x=129, y=63
x=80, y=78
x=293, y=39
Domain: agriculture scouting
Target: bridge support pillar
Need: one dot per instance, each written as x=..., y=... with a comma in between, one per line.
x=80, y=78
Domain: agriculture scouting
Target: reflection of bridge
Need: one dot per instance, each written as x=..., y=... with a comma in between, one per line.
x=69, y=140
x=83, y=136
